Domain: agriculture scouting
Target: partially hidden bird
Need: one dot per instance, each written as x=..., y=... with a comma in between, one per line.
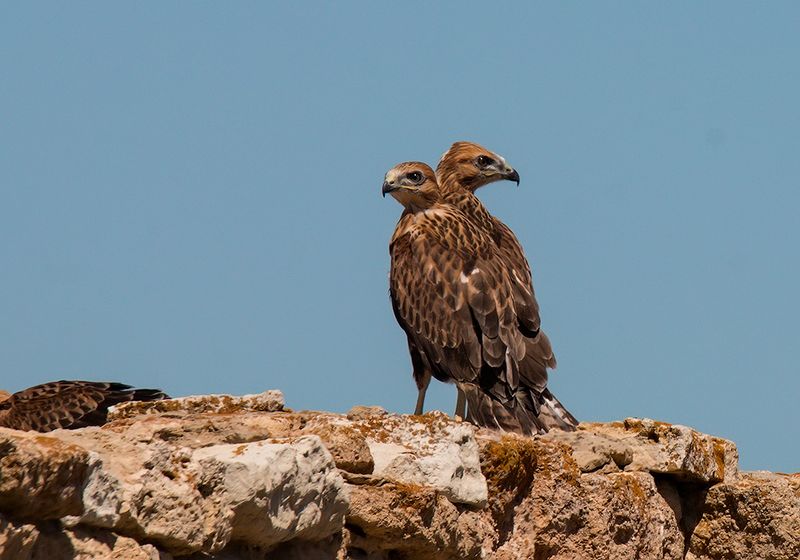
x=68, y=404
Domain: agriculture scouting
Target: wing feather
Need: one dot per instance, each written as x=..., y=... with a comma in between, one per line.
x=452, y=296
x=67, y=404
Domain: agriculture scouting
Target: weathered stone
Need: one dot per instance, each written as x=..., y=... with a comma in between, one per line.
x=151, y=492
x=268, y=401
x=560, y=513
x=347, y=444
x=684, y=452
x=41, y=477
x=429, y=450
x=398, y=520
x=275, y=492
x=187, y=501
x=361, y=412
x=754, y=517
x=509, y=464
x=87, y=544
x=48, y=541
x=227, y=478
x=649, y=446
x=17, y=540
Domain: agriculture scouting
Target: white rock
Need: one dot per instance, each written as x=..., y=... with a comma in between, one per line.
x=102, y=497
x=387, y=454
x=159, y=499
x=276, y=491
x=430, y=451
x=641, y=444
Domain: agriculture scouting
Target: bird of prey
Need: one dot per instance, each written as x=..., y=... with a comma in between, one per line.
x=462, y=170
x=453, y=295
x=68, y=404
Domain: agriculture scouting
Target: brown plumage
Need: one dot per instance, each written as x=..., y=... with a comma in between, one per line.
x=463, y=169
x=454, y=297
x=68, y=404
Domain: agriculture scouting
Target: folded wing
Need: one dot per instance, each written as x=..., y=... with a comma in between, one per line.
x=68, y=404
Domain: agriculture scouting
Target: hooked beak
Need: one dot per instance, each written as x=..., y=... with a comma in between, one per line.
x=387, y=188
x=512, y=176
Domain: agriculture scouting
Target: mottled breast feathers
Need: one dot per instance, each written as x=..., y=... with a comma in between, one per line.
x=452, y=294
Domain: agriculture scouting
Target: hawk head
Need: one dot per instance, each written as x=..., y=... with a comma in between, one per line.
x=471, y=166
x=413, y=184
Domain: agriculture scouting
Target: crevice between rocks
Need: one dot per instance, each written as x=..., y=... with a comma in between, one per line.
x=686, y=499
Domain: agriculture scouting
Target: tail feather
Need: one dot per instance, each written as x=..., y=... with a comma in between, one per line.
x=538, y=359
x=116, y=393
x=112, y=394
x=553, y=414
x=148, y=395
x=527, y=412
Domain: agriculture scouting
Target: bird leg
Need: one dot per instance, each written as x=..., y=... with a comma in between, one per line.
x=461, y=403
x=422, y=386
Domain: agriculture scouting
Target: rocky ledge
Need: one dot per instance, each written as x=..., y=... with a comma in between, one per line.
x=228, y=478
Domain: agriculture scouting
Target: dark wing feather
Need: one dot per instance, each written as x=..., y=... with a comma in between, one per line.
x=539, y=354
x=68, y=404
x=510, y=252
x=527, y=407
x=520, y=272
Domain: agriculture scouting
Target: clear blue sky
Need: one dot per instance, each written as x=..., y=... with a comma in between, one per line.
x=190, y=196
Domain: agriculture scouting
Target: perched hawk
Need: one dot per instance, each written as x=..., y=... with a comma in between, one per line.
x=68, y=404
x=454, y=296
x=463, y=169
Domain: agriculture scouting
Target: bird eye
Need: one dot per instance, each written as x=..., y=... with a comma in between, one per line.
x=415, y=177
x=484, y=161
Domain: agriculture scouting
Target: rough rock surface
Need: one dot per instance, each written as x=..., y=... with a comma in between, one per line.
x=241, y=478
x=754, y=516
x=657, y=447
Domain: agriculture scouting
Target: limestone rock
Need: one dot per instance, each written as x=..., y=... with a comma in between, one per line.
x=87, y=544
x=429, y=450
x=17, y=540
x=346, y=443
x=150, y=492
x=756, y=516
x=41, y=477
x=361, y=412
x=268, y=401
x=398, y=520
x=275, y=492
x=241, y=478
x=46, y=541
x=544, y=507
x=259, y=493
x=649, y=446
